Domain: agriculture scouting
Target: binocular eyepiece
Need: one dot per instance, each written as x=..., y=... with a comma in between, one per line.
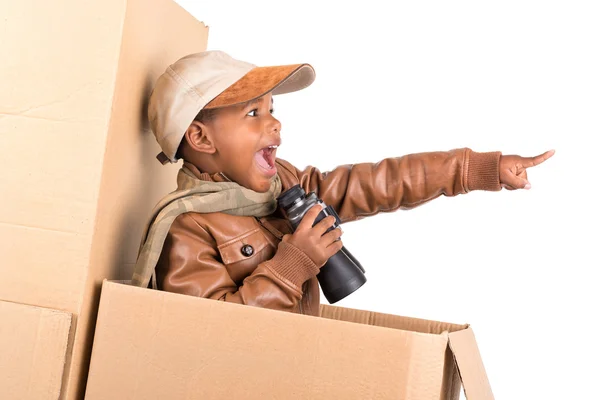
x=342, y=274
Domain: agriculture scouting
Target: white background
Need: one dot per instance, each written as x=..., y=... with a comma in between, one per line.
x=395, y=78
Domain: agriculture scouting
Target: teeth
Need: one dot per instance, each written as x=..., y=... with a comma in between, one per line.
x=273, y=147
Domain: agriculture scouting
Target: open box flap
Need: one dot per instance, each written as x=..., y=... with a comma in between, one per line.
x=470, y=366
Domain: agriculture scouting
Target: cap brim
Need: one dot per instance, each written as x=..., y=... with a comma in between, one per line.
x=262, y=80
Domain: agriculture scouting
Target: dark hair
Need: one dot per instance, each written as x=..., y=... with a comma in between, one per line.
x=205, y=115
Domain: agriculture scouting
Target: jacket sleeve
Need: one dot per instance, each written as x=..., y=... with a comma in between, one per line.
x=359, y=190
x=190, y=264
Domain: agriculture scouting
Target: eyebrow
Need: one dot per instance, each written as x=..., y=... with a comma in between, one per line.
x=253, y=102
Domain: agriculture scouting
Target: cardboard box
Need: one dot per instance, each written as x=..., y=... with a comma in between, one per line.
x=156, y=345
x=33, y=348
x=79, y=177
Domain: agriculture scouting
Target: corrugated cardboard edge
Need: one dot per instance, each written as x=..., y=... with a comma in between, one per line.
x=470, y=366
x=48, y=352
x=373, y=318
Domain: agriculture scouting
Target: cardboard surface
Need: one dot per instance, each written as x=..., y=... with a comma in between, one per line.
x=33, y=348
x=154, y=345
x=388, y=320
x=79, y=176
x=468, y=359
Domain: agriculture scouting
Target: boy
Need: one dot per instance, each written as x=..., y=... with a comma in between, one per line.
x=221, y=236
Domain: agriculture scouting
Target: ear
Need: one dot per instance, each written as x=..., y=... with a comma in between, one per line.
x=198, y=138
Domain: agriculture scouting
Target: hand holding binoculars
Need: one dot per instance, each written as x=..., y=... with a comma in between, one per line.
x=342, y=274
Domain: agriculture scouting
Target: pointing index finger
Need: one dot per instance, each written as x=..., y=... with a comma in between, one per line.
x=537, y=160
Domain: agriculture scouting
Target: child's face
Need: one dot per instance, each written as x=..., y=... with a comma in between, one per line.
x=246, y=138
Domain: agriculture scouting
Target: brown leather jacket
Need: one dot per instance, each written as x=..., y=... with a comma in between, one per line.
x=203, y=256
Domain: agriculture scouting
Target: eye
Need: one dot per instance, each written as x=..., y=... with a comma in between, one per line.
x=252, y=113
x=272, y=111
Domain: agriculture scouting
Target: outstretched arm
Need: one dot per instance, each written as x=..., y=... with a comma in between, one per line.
x=359, y=190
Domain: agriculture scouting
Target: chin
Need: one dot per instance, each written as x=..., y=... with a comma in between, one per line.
x=261, y=186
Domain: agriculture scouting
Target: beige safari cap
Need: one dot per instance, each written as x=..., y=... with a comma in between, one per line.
x=212, y=79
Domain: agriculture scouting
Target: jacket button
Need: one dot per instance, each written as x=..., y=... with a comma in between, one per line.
x=247, y=250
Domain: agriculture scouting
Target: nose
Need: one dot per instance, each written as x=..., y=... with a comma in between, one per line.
x=273, y=126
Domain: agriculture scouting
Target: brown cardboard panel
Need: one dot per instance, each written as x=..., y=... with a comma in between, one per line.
x=387, y=320
x=155, y=34
x=39, y=174
x=451, y=384
x=45, y=223
x=33, y=347
x=151, y=345
x=36, y=266
x=470, y=365
x=54, y=106
x=79, y=176
x=61, y=63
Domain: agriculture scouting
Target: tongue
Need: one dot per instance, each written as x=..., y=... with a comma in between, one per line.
x=261, y=159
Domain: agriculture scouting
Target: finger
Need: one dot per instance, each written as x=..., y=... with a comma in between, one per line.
x=331, y=236
x=333, y=248
x=537, y=160
x=324, y=224
x=309, y=218
x=516, y=182
x=523, y=174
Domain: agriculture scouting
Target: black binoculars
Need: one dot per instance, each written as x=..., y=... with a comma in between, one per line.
x=342, y=274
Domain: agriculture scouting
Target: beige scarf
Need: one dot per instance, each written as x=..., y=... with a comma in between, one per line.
x=195, y=195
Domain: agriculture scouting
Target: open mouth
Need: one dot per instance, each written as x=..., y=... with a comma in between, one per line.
x=266, y=158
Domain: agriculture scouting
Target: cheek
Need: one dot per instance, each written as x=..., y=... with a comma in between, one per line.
x=241, y=158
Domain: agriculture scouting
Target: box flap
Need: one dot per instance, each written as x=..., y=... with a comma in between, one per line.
x=470, y=366
x=33, y=348
x=387, y=320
